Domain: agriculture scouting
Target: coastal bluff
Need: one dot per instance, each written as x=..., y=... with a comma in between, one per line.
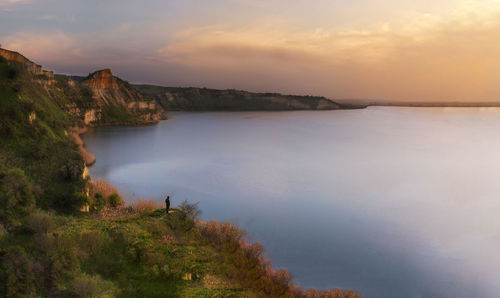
x=30, y=66
x=118, y=102
x=204, y=99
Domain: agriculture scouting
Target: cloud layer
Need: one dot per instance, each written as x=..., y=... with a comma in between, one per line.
x=454, y=56
x=429, y=59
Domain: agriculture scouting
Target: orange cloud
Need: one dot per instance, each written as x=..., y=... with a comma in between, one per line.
x=428, y=58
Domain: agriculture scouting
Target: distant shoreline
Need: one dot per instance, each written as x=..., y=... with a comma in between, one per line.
x=490, y=104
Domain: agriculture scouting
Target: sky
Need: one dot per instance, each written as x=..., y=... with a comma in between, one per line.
x=397, y=50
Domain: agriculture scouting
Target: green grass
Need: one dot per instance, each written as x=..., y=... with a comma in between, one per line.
x=41, y=149
x=117, y=114
x=142, y=256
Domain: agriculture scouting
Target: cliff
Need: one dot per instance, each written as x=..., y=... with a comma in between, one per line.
x=118, y=102
x=29, y=65
x=47, y=100
x=99, y=99
x=211, y=99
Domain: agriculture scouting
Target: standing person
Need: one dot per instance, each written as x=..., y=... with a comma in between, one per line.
x=167, y=204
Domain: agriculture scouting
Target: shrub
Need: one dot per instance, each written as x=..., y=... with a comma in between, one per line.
x=104, y=194
x=245, y=263
x=16, y=196
x=221, y=234
x=114, y=200
x=92, y=286
x=72, y=169
x=94, y=241
x=99, y=201
x=103, y=187
x=39, y=222
x=190, y=210
x=18, y=276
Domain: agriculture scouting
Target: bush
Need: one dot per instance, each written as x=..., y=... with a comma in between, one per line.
x=39, y=222
x=114, y=200
x=94, y=241
x=92, y=286
x=221, y=234
x=18, y=277
x=99, y=201
x=104, y=194
x=245, y=263
x=103, y=187
x=190, y=210
x=72, y=169
x=16, y=196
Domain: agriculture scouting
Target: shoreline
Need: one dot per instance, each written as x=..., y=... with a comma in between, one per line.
x=77, y=131
x=433, y=104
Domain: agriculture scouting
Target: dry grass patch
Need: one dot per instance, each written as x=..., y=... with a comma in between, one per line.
x=103, y=187
x=144, y=205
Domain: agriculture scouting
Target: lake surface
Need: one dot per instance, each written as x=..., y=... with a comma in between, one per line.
x=399, y=202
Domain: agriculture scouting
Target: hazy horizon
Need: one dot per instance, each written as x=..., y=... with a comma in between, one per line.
x=444, y=50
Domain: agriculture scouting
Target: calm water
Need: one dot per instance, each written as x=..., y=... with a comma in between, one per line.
x=400, y=202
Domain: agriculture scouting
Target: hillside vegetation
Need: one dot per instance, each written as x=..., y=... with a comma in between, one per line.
x=203, y=99
x=62, y=235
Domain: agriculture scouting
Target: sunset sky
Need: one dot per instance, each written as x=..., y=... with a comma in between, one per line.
x=374, y=49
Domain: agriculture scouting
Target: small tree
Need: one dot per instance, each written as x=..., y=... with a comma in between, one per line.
x=191, y=210
x=99, y=201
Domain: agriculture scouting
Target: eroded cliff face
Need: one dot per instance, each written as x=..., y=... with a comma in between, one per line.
x=32, y=67
x=100, y=99
x=118, y=102
x=103, y=79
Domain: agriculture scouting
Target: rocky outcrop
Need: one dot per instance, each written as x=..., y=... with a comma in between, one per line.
x=32, y=67
x=119, y=102
x=211, y=99
x=102, y=79
x=142, y=105
x=32, y=117
x=91, y=116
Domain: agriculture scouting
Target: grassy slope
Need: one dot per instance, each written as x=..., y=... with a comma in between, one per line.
x=41, y=149
x=139, y=256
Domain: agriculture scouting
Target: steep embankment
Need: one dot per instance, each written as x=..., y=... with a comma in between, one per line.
x=203, y=99
x=118, y=102
x=38, y=162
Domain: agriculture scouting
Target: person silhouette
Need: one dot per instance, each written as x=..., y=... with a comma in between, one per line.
x=167, y=204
